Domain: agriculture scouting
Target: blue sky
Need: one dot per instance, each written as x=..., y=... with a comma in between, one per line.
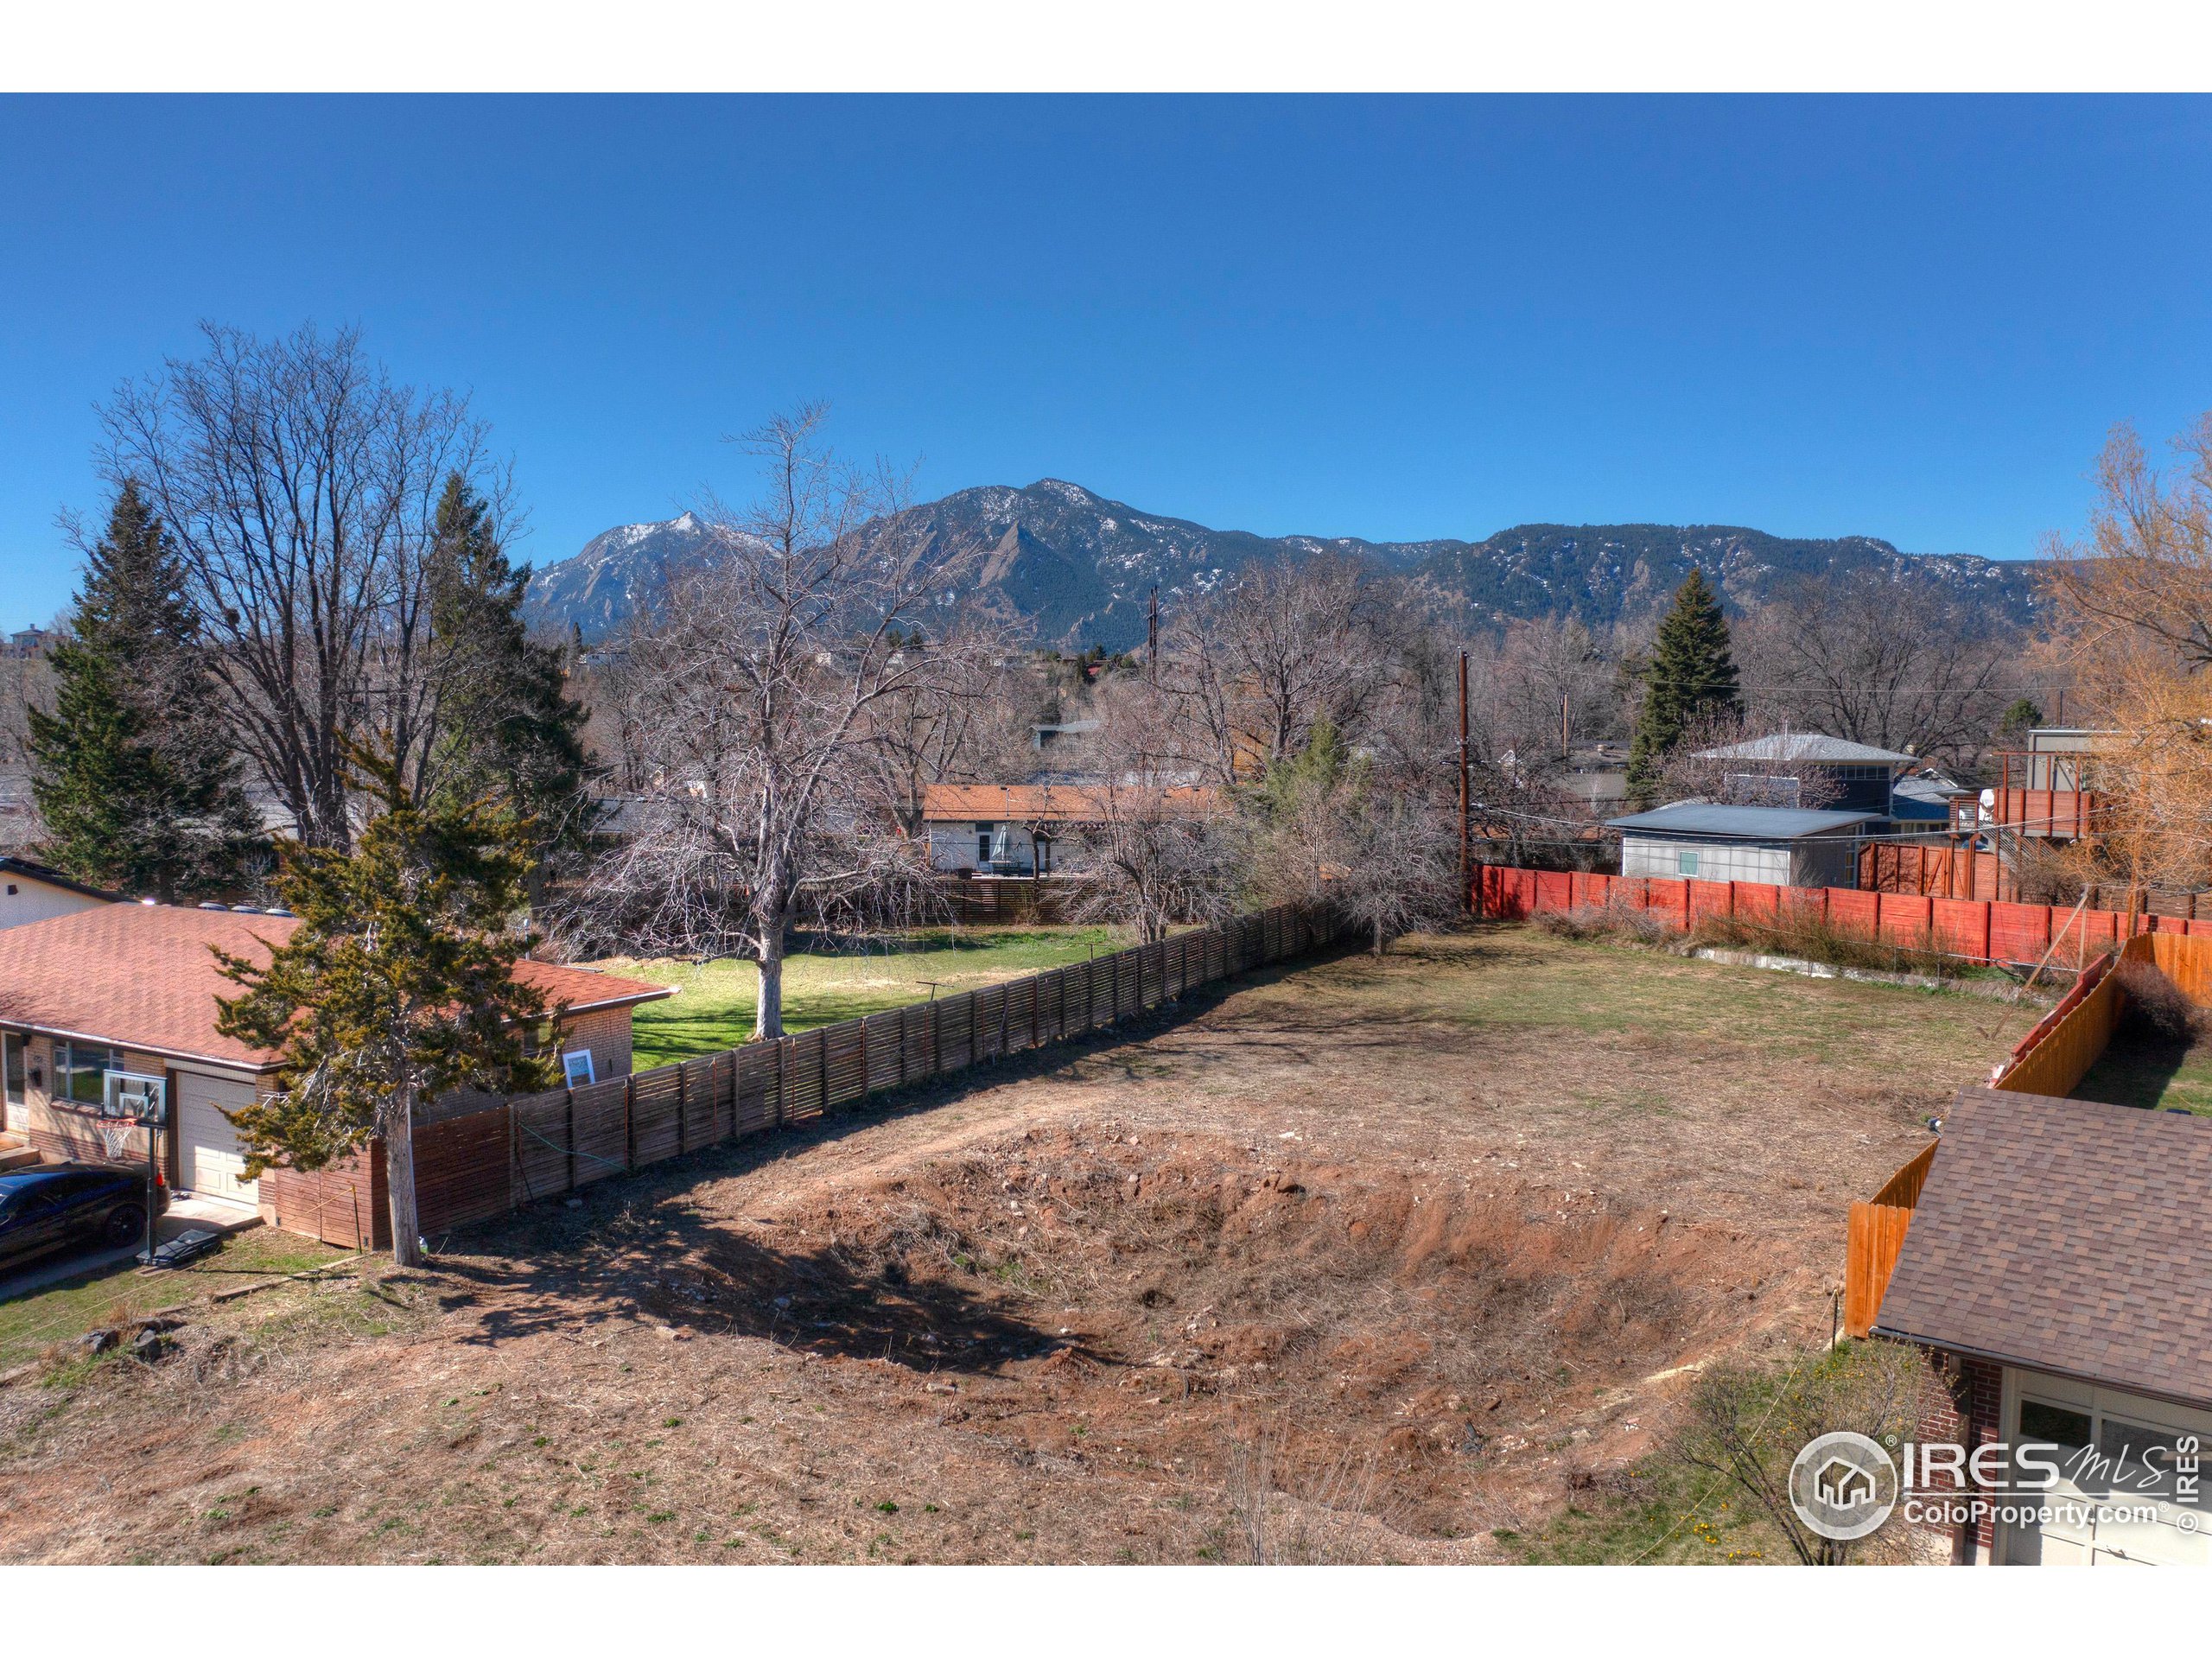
x=1391, y=318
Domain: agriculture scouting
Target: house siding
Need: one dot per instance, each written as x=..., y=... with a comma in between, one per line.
x=27, y=898
x=606, y=1033
x=952, y=846
x=63, y=1131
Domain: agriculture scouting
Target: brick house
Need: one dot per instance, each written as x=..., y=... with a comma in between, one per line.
x=2058, y=1264
x=132, y=989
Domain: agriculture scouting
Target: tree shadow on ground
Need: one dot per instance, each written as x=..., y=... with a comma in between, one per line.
x=638, y=1247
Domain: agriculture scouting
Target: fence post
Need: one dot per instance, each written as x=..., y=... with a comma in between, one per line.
x=568, y=1135
x=683, y=1103
x=629, y=1120
x=1988, y=932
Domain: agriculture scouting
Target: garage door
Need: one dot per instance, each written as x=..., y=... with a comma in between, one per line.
x=209, y=1162
x=2132, y=1494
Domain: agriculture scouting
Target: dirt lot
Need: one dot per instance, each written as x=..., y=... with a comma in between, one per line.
x=1361, y=1262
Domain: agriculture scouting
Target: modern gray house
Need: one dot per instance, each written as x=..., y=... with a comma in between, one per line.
x=1810, y=769
x=1781, y=846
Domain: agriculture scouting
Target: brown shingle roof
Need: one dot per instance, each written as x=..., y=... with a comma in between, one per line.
x=142, y=976
x=1042, y=803
x=2066, y=1235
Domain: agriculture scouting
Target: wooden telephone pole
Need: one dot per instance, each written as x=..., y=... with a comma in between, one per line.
x=1466, y=868
x=1152, y=637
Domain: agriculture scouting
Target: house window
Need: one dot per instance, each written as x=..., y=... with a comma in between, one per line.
x=576, y=1067
x=80, y=1073
x=536, y=1037
x=1686, y=863
x=985, y=834
x=16, y=1062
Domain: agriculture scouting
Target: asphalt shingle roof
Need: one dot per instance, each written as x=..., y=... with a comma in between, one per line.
x=142, y=976
x=2065, y=1236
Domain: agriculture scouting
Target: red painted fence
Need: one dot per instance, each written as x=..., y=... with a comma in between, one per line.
x=1979, y=930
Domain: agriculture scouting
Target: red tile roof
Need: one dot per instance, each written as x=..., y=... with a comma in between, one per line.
x=1044, y=802
x=142, y=976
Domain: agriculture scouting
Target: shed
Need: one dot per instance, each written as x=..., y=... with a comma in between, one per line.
x=1781, y=846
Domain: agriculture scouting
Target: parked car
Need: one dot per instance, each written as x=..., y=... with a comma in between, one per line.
x=60, y=1206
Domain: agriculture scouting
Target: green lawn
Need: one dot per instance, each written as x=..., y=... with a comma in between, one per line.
x=110, y=1295
x=714, y=1009
x=2143, y=1069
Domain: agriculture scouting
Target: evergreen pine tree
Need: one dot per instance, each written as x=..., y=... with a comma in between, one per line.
x=397, y=986
x=509, y=729
x=133, y=771
x=1692, y=678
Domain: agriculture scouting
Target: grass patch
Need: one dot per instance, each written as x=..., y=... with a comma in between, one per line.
x=66, y=1310
x=1530, y=979
x=1709, y=1493
x=713, y=1008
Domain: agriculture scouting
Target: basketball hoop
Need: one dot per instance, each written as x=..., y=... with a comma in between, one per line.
x=115, y=1134
x=127, y=1102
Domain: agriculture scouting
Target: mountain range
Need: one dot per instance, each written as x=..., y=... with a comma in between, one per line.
x=1078, y=569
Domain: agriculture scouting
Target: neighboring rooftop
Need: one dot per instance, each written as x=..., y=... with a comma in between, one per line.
x=144, y=977
x=2067, y=1236
x=31, y=870
x=1045, y=802
x=1739, y=822
x=1809, y=748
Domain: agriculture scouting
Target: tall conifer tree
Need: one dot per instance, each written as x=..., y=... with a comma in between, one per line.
x=1692, y=678
x=510, y=730
x=133, y=774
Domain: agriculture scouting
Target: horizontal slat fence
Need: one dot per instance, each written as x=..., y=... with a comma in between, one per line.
x=477, y=1158
x=1977, y=930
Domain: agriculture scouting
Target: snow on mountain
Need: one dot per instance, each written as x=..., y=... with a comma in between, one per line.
x=1078, y=569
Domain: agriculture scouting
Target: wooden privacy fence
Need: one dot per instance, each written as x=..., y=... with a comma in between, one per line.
x=1977, y=930
x=477, y=1157
x=2054, y=1056
x=2049, y=1061
x=1876, y=1234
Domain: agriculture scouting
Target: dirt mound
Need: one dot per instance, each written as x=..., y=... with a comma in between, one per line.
x=1279, y=1297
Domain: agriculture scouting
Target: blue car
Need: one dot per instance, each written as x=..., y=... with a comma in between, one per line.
x=64, y=1206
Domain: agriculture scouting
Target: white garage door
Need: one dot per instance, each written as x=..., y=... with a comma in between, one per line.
x=2133, y=1491
x=209, y=1162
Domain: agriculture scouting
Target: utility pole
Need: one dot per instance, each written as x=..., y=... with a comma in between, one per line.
x=1566, y=741
x=1466, y=871
x=1152, y=635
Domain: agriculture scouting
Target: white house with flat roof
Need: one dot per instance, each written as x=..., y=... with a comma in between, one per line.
x=1781, y=846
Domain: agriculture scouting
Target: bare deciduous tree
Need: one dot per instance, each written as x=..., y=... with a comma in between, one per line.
x=1324, y=830
x=1157, y=849
x=1287, y=642
x=2144, y=574
x=302, y=486
x=2137, y=601
x=750, y=697
x=1882, y=662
